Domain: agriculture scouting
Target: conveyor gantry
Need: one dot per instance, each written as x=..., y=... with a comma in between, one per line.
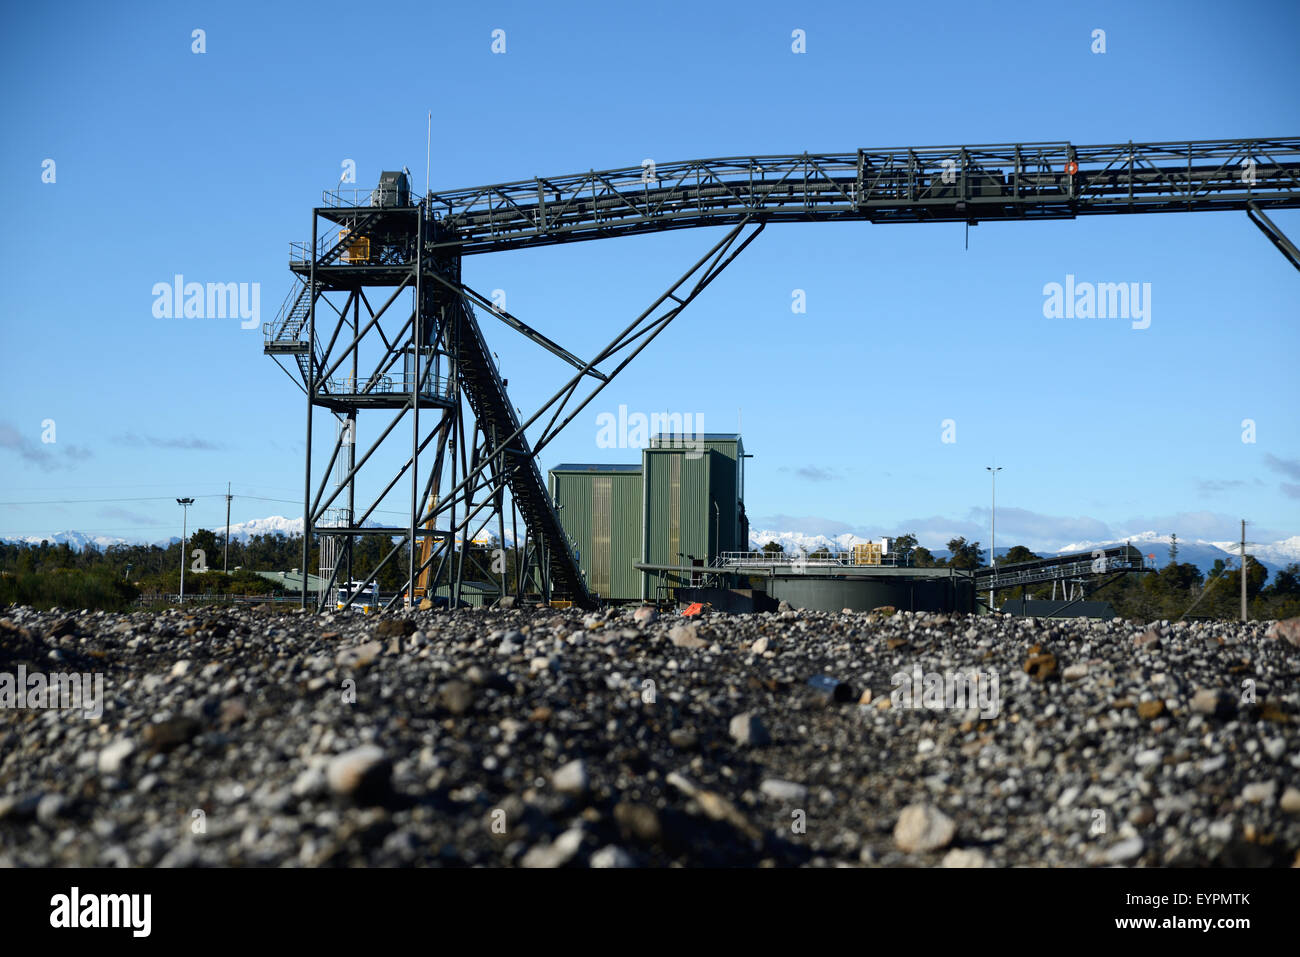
x=385, y=238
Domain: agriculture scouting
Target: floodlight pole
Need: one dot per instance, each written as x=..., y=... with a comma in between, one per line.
x=185, y=504
x=993, y=516
x=225, y=555
x=1244, y=616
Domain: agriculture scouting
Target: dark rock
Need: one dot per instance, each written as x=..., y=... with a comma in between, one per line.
x=362, y=774
x=831, y=690
x=456, y=696
x=67, y=626
x=638, y=821
x=748, y=729
x=395, y=628
x=1041, y=667
x=171, y=734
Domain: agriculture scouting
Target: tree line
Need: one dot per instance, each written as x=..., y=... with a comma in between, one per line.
x=48, y=575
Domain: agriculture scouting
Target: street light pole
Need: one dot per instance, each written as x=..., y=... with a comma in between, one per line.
x=1244, y=616
x=185, y=504
x=225, y=557
x=993, y=516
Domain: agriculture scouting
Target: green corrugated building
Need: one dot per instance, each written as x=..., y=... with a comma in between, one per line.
x=678, y=521
x=600, y=509
x=681, y=506
x=726, y=452
x=292, y=581
x=472, y=593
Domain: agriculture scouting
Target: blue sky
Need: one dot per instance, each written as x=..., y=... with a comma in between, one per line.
x=208, y=165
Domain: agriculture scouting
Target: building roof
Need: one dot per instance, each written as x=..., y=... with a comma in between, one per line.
x=572, y=467
x=482, y=587
x=706, y=436
x=292, y=581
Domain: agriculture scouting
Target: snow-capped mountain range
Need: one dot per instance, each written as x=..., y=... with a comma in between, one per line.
x=271, y=525
x=77, y=540
x=243, y=531
x=239, y=531
x=795, y=541
x=1203, y=554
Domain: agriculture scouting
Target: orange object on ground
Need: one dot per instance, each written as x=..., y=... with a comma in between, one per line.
x=693, y=609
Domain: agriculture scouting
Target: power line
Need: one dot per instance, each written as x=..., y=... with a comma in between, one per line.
x=87, y=531
x=165, y=498
x=64, y=488
x=94, y=501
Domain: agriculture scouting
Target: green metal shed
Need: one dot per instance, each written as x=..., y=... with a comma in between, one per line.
x=600, y=510
x=475, y=594
x=292, y=581
x=683, y=511
x=726, y=451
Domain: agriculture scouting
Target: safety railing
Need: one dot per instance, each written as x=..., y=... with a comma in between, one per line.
x=200, y=597
x=335, y=518
x=277, y=334
x=360, y=251
x=278, y=330
x=434, y=386
x=1095, y=566
x=300, y=253
x=841, y=559
x=341, y=198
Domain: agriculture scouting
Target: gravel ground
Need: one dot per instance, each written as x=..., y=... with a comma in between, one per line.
x=543, y=738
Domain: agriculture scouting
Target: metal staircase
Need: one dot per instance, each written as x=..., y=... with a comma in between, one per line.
x=347, y=237
x=282, y=335
x=285, y=336
x=304, y=367
x=495, y=415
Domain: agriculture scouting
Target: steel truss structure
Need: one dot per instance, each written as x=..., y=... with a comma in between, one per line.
x=429, y=363
x=1094, y=568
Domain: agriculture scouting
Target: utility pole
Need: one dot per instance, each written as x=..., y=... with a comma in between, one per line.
x=225, y=558
x=993, y=515
x=185, y=504
x=1243, y=570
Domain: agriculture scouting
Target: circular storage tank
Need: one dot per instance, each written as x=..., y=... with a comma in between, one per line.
x=864, y=594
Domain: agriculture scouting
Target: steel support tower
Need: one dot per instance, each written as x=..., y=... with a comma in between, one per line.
x=372, y=332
